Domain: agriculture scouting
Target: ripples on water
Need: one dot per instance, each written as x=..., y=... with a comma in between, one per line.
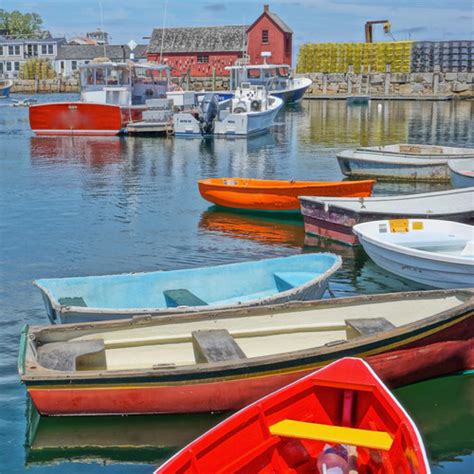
x=106, y=205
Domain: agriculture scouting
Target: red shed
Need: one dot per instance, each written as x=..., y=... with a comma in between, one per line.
x=269, y=33
x=200, y=49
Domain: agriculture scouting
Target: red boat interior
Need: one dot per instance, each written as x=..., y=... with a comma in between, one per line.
x=332, y=412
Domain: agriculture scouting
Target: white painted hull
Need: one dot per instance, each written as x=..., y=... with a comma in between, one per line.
x=396, y=252
x=461, y=173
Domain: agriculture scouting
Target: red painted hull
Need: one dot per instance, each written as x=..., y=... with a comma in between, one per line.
x=81, y=118
x=438, y=353
x=345, y=394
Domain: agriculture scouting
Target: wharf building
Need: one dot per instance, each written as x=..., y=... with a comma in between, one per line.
x=204, y=51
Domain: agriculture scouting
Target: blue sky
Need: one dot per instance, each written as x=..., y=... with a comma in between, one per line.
x=311, y=20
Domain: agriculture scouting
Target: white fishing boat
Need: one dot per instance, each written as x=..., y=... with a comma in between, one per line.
x=406, y=162
x=334, y=217
x=278, y=79
x=461, y=173
x=252, y=110
x=435, y=253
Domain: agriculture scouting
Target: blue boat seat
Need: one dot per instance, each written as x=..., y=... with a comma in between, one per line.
x=288, y=280
x=182, y=297
x=72, y=301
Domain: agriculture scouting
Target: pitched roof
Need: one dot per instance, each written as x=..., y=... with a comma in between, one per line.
x=88, y=52
x=198, y=39
x=282, y=25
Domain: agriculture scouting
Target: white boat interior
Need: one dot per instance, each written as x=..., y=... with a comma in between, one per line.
x=171, y=343
x=453, y=201
x=431, y=236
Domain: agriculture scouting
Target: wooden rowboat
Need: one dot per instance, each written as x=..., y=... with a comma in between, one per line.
x=341, y=416
x=273, y=195
x=401, y=162
x=461, y=173
x=334, y=218
x=437, y=254
x=273, y=280
x=224, y=360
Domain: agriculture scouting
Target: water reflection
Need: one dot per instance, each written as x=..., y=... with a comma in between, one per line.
x=443, y=411
x=147, y=439
x=257, y=227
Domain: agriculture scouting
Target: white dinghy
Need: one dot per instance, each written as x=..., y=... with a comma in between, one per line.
x=405, y=162
x=461, y=173
x=435, y=253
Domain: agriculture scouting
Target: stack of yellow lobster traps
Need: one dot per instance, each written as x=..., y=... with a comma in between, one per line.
x=363, y=57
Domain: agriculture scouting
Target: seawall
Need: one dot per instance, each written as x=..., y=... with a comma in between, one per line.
x=421, y=85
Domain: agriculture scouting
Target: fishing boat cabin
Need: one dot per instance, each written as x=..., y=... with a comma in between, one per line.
x=123, y=84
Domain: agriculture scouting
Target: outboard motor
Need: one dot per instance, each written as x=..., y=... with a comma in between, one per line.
x=209, y=110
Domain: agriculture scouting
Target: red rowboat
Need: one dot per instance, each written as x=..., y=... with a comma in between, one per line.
x=112, y=96
x=341, y=415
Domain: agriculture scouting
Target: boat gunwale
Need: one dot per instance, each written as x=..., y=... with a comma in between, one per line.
x=35, y=373
x=453, y=167
x=158, y=311
x=344, y=203
x=290, y=185
x=380, y=150
x=410, y=251
x=396, y=160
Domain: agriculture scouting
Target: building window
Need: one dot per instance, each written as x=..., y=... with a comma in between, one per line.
x=62, y=65
x=44, y=49
x=73, y=65
x=203, y=58
x=14, y=50
x=287, y=44
x=17, y=66
x=9, y=66
x=264, y=36
x=1, y=50
x=50, y=49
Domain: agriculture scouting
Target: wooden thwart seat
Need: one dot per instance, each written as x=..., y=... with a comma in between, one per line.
x=215, y=345
x=332, y=434
x=71, y=356
x=182, y=297
x=366, y=326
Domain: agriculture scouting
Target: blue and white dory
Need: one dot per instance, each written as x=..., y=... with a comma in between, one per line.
x=277, y=280
x=432, y=252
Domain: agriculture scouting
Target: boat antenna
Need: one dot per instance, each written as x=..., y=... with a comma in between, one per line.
x=163, y=34
x=102, y=26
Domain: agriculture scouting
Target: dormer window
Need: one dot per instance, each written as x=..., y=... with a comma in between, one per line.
x=264, y=36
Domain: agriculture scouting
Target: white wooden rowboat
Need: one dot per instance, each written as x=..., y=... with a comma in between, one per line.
x=461, y=173
x=403, y=162
x=334, y=217
x=435, y=253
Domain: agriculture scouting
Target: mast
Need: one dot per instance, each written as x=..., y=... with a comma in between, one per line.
x=163, y=33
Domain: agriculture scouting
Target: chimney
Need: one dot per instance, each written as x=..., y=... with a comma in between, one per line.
x=266, y=8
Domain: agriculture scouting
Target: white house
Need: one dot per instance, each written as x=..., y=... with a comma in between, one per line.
x=71, y=56
x=15, y=51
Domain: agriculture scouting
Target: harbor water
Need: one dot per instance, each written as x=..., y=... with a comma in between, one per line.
x=102, y=205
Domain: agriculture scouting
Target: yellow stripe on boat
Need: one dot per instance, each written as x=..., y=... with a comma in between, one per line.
x=333, y=434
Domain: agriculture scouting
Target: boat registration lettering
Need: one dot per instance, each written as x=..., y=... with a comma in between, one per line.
x=399, y=225
x=417, y=225
x=73, y=107
x=382, y=228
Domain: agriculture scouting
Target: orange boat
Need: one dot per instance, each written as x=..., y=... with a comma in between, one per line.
x=273, y=195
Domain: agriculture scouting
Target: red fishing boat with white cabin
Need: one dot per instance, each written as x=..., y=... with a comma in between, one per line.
x=112, y=96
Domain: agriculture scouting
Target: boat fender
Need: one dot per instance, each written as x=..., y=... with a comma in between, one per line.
x=334, y=460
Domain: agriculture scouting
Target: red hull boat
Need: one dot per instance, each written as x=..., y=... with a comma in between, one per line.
x=340, y=416
x=112, y=96
x=148, y=365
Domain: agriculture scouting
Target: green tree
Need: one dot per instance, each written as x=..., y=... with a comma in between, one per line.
x=21, y=24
